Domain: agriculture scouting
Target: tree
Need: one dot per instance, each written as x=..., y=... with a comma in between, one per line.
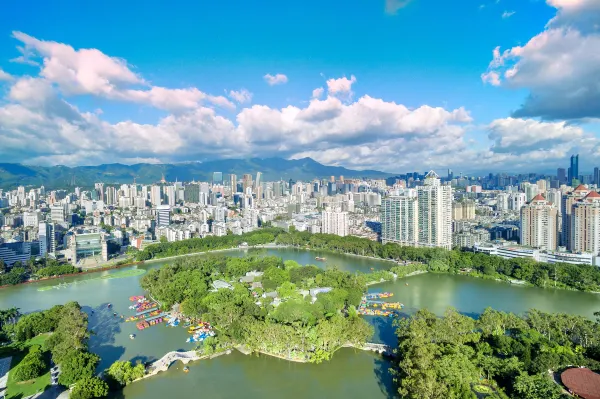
x=32, y=365
x=88, y=388
x=536, y=386
x=76, y=366
x=123, y=372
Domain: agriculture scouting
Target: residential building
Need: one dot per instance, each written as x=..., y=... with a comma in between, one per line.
x=539, y=224
x=163, y=215
x=334, y=222
x=435, y=213
x=399, y=219
x=585, y=234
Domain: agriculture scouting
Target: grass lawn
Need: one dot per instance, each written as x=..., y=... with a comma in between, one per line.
x=22, y=389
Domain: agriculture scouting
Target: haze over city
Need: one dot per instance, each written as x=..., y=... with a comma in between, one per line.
x=388, y=85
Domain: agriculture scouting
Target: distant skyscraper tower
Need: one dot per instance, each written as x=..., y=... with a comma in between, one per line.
x=561, y=175
x=233, y=183
x=574, y=169
x=258, y=179
x=597, y=176
x=247, y=181
x=218, y=178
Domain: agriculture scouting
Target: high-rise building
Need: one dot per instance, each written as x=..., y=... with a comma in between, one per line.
x=31, y=219
x=258, y=180
x=47, y=238
x=463, y=210
x=171, y=198
x=99, y=187
x=516, y=201
x=58, y=212
x=400, y=220
x=435, y=212
x=334, y=222
x=561, y=175
x=233, y=183
x=217, y=178
x=568, y=201
x=191, y=193
x=539, y=224
x=155, y=195
x=585, y=234
x=163, y=215
x=574, y=169
x=597, y=176
x=246, y=182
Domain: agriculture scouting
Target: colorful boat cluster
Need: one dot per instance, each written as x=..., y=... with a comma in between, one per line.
x=200, y=332
x=370, y=306
x=146, y=311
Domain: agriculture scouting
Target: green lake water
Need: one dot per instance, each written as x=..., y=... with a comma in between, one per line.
x=351, y=373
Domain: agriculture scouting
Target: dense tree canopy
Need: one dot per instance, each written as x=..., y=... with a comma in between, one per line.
x=449, y=357
x=296, y=328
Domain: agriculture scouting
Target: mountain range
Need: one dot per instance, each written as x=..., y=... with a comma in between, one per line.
x=56, y=177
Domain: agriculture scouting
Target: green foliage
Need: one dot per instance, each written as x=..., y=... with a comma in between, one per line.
x=580, y=277
x=76, y=366
x=14, y=276
x=56, y=270
x=32, y=366
x=166, y=249
x=124, y=373
x=273, y=277
x=70, y=335
x=88, y=388
x=440, y=357
x=37, y=323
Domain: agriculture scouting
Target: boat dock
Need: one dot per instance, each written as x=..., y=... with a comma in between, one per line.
x=146, y=311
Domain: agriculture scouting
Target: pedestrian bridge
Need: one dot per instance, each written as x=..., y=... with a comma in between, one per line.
x=373, y=347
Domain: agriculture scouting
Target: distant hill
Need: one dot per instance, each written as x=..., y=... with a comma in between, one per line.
x=54, y=177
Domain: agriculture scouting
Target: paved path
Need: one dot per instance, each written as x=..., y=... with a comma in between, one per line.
x=4, y=368
x=163, y=363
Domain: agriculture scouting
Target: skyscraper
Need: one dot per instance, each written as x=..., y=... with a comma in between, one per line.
x=561, y=175
x=574, y=168
x=435, y=213
x=163, y=215
x=597, y=176
x=246, y=182
x=218, y=178
x=334, y=222
x=399, y=219
x=585, y=235
x=233, y=183
x=258, y=179
x=539, y=224
x=567, y=207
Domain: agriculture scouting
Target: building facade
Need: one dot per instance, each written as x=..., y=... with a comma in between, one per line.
x=399, y=219
x=435, y=213
x=539, y=224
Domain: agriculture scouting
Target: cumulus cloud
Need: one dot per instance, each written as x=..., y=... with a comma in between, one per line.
x=277, y=79
x=242, y=96
x=318, y=92
x=89, y=71
x=508, y=14
x=5, y=75
x=392, y=6
x=558, y=66
x=341, y=87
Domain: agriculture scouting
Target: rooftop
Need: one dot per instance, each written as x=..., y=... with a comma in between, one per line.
x=582, y=382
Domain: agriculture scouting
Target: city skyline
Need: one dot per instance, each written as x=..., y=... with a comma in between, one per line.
x=511, y=97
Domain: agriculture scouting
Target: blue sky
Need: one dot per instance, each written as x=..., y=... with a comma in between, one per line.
x=427, y=58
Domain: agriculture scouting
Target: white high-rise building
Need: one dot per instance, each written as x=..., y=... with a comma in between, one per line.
x=47, y=239
x=539, y=224
x=31, y=219
x=531, y=190
x=516, y=201
x=399, y=219
x=334, y=222
x=163, y=215
x=502, y=201
x=58, y=212
x=155, y=195
x=435, y=213
x=585, y=234
x=170, y=193
x=568, y=200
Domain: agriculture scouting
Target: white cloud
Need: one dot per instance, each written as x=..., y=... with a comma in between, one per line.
x=341, y=87
x=559, y=66
x=5, y=75
x=241, y=96
x=318, y=92
x=392, y=6
x=277, y=79
x=89, y=71
x=508, y=14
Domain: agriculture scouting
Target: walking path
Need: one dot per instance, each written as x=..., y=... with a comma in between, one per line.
x=4, y=368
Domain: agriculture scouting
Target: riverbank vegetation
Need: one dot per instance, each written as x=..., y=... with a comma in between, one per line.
x=33, y=270
x=507, y=355
x=58, y=334
x=562, y=275
x=287, y=321
x=211, y=243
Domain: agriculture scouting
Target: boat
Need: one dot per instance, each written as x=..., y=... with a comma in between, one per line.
x=186, y=369
x=132, y=336
x=321, y=259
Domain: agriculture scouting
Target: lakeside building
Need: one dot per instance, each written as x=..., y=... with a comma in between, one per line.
x=539, y=224
x=399, y=219
x=511, y=250
x=435, y=213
